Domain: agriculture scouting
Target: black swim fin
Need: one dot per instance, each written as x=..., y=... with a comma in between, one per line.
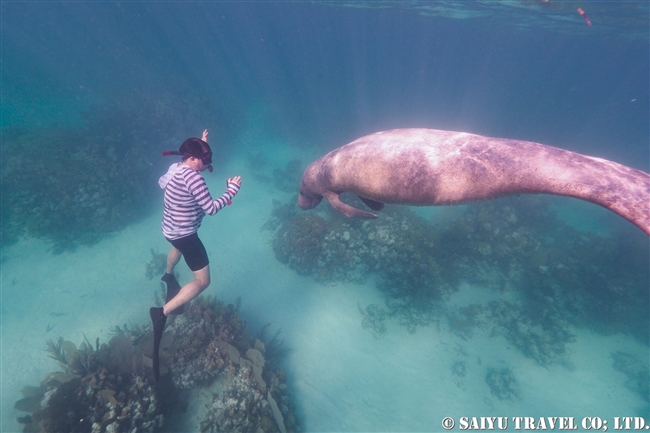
x=172, y=290
x=158, y=319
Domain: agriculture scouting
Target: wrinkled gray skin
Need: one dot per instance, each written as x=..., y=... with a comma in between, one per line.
x=428, y=167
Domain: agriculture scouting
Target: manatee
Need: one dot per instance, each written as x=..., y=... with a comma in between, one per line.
x=428, y=167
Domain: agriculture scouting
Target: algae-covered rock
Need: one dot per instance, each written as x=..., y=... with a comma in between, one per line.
x=503, y=383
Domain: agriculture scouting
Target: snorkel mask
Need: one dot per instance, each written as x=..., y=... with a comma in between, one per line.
x=195, y=148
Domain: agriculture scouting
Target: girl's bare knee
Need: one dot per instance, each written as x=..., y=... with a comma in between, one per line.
x=202, y=277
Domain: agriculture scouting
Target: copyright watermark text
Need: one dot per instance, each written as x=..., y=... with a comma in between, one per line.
x=626, y=423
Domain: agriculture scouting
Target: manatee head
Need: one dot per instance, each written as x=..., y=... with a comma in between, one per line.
x=308, y=199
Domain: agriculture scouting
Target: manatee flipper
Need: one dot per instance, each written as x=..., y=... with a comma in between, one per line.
x=158, y=320
x=346, y=209
x=172, y=290
x=372, y=204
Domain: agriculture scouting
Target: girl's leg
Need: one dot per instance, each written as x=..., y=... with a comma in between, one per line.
x=172, y=259
x=189, y=291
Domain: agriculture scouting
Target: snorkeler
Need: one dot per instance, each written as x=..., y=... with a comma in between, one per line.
x=187, y=201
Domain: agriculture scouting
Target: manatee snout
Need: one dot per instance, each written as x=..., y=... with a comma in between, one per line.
x=308, y=201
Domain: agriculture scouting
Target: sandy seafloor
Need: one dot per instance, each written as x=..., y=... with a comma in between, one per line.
x=340, y=376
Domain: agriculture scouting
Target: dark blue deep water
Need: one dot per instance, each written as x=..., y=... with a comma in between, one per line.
x=330, y=74
x=92, y=92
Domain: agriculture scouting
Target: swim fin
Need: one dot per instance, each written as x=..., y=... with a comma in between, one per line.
x=172, y=290
x=158, y=319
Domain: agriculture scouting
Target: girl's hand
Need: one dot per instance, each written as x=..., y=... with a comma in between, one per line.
x=236, y=179
x=205, y=136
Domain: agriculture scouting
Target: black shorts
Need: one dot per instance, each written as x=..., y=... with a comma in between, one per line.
x=193, y=250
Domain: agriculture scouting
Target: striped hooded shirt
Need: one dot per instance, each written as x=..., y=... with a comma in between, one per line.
x=187, y=200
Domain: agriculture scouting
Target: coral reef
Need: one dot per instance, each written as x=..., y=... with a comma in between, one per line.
x=208, y=342
x=103, y=389
x=76, y=188
x=241, y=409
x=503, y=383
x=85, y=182
x=541, y=334
x=399, y=247
x=463, y=320
x=110, y=387
x=564, y=277
x=193, y=344
x=280, y=213
x=373, y=319
x=299, y=242
x=274, y=348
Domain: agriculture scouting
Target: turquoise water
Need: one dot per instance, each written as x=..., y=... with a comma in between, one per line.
x=391, y=340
